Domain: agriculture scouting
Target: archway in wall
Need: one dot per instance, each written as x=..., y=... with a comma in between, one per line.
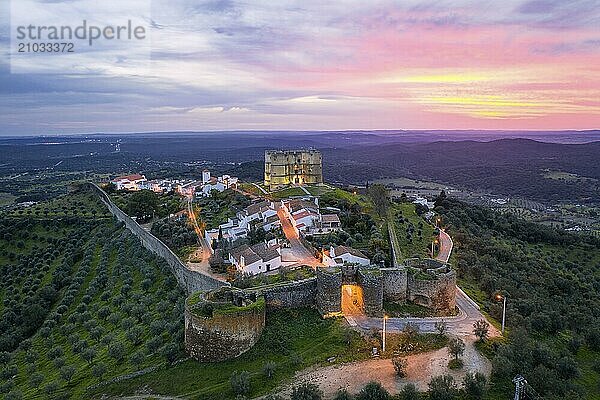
x=352, y=300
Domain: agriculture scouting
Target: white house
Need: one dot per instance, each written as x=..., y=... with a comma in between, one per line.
x=219, y=184
x=257, y=211
x=326, y=223
x=213, y=184
x=132, y=182
x=304, y=220
x=256, y=259
x=340, y=255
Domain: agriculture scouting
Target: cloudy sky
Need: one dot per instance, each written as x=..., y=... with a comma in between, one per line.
x=325, y=65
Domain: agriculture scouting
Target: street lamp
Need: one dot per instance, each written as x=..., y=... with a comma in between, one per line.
x=503, y=298
x=385, y=317
x=432, y=248
x=437, y=222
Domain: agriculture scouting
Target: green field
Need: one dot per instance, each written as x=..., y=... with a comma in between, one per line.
x=80, y=204
x=287, y=192
x=413, y=233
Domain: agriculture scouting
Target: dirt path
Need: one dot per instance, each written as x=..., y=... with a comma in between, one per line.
x=421, y=367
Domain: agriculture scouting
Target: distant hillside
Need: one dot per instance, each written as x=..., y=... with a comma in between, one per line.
x=505, y=166
x=511, y=166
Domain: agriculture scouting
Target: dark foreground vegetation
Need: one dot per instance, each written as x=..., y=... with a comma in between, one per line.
x=552, y=285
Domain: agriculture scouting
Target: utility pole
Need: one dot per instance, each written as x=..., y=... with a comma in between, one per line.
x=385, y=317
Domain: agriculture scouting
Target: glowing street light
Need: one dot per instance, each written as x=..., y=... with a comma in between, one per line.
x=503, y=298
x=385, y=317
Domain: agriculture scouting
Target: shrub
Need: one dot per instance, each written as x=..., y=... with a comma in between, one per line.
x=481, y=329
x=400, y=365
x=409, y=392
x=269, y=369
x=373, y=391
x=306, y=391
x=456, y=347
x=455, y=363
x=475, y=385
x=442, y=388
x=240, y=382
x=342, y=394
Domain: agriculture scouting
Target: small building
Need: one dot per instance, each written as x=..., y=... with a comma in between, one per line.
x=132, y=182
x=256, y=259
x=340, y=255
x=326, y=223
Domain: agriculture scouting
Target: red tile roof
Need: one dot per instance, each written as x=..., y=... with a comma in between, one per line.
x=133, y=177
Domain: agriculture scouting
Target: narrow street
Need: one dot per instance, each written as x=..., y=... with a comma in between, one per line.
x=297, y=253
x=203, y=252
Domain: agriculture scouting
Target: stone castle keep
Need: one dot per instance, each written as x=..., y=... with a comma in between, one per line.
x=292, y=167
x=227, y=322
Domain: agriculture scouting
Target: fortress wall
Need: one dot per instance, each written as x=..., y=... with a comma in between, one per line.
x=438, y=294
x=289, y=295
x=190, y=281
x=222, y=336
x=395, y=283
x=329, y=291
x=371, y=282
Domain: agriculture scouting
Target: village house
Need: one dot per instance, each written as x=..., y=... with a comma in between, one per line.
x=132, y=182
x=262, y=215
x=340, y=255
x=220, y=184
x=257, y=211
x=252, y=260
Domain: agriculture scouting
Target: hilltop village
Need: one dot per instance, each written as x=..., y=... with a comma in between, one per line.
x=293, y=241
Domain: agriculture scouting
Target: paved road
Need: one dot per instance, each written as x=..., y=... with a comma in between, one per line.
x=297, y=252
x=445, y=246
x=203, y=251
x=461, y=325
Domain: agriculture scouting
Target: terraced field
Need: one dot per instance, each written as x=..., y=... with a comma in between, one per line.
x=82, y=303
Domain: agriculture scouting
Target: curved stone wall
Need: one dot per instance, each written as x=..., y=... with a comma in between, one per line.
x=438, y=293
x=225, y=334
x=190, y=281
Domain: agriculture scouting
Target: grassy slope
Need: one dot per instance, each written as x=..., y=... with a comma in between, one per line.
x=414, y=245
x=527, y=270
x=290, y=336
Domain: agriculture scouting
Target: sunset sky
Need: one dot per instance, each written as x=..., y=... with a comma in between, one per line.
x=316, y=65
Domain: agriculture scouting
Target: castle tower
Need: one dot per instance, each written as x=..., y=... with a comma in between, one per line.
x=292, y=167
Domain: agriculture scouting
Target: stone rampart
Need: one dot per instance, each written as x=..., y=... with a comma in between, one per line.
x=190, y=281
x=395, y=284
x=295, y=294
x=220, y=330
x=329, y=291
x=371, y=281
